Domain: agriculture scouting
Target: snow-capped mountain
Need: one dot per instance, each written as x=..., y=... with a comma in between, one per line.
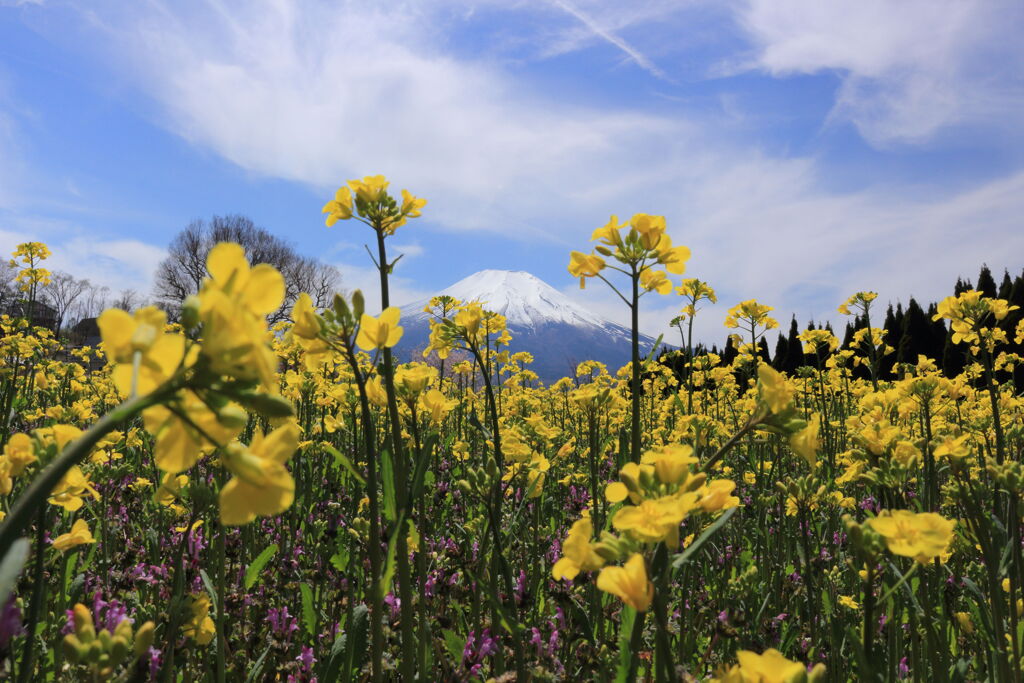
x=559, y=333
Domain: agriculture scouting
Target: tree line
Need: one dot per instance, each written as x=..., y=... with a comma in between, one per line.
x=910, y=330
x=181, y=274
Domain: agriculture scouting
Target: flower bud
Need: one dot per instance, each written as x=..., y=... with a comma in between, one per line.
x=73, y=648
x=358, y=304
x=144, y=638
x=190, y=312
x=118, y=649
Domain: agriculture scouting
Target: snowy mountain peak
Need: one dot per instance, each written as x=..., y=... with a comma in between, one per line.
x=524, y=299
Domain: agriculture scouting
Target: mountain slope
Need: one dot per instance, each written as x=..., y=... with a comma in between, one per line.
x=559, y=333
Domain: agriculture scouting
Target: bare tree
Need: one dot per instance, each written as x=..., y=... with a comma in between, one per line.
x=92, y=302
x=182, y=272
x=8, y=289
x=129, y=300
x=62, y=293
x=317, y=279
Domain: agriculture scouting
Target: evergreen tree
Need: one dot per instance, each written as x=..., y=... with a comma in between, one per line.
x=953, y=357
x=781, y=351
x=729, y=353
x=986, y=284
x=795, y=352
x=913, y=340
x=893, y=326
x=1006, y=285
x=937, y=336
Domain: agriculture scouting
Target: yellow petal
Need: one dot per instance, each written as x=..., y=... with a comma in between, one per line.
x=226, y=259
x=264, y=291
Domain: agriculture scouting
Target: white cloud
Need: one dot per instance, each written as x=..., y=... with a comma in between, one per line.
x=114, y=263
x=318, y=93
x=321, y=93
x=401, y=290
x=908, y=69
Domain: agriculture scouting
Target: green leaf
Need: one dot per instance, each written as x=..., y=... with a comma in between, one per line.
x=625, y=648
x=252, y=574
x=308, y=615
x=257, y=667
x=339, y=560
x=681, y=558
x=389, y=566
x=69, y=572
x=209, y=589
x=349, y=649
x=650, y=356
x=455, y=644
x=387, y=475
x=11, y=566
x=342, y=460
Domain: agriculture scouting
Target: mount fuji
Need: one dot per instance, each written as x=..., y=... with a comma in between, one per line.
x=558, y=333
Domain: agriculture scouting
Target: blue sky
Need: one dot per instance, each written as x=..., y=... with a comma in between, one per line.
x=803, y=150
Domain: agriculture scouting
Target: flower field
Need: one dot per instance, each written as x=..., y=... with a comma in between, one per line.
x=222, y=500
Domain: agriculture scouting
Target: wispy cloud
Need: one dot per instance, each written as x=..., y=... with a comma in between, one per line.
x=320, y=92
x=908, y=70
x=610, y=37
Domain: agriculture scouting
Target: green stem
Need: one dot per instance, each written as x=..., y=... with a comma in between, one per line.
x=37, y=493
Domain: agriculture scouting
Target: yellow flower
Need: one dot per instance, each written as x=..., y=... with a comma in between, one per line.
x=671, y=463
x=200, y=626
x=126, y=334
x=413, y=378
x=370, y=189
x=380, y=332
x=20, y=453
x=629, y=583
x=411, y=205
x=718, y=496
x=750, y=313
x=577, y=552
x=922, y=535
x=805, y=442
x=768, y=667
x=140, y=483
x=339, y=208
x=954, y=448
x=434, y=404
x=847, y=601
x=178, y=443
x=170, y=489
x=674, y=259
x=375, y=392
x=305, y=331
x=261, y=485
x=79, y=535
x=69, y=491
x=774, y=390
x=656, y=520
x=584, y=265
x=234, y=303
x=609, y=233
x=655, y=280
x=650, y=228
